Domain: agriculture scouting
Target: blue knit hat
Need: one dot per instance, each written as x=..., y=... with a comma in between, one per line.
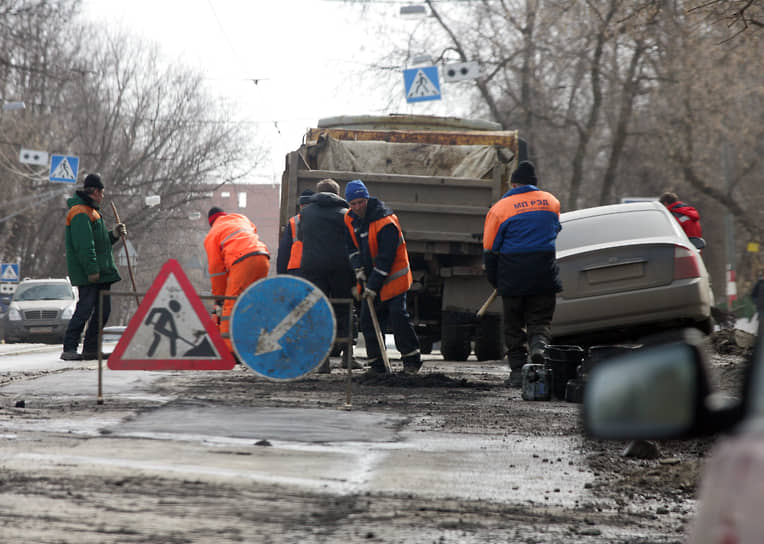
x=356, y=189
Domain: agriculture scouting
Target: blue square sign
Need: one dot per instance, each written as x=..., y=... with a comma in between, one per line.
x=63, y=169
x=421, y=84
x=9, y=272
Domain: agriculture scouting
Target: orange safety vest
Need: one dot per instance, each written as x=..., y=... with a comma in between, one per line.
x=399, y=279
x=295, y=253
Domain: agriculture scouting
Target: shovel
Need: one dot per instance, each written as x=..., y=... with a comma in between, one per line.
x=484, y=308
x=380, y=336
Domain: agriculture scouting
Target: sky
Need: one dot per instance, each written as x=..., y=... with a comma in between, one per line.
x=310, y=58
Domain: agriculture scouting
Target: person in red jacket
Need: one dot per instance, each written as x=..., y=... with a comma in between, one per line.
x=687, y=216
x=236, y=258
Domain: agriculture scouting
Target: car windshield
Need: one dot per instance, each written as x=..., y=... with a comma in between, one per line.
x=612, y=228
x=49, y=291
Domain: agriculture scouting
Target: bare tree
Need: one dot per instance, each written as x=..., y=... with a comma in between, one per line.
x=148, y=127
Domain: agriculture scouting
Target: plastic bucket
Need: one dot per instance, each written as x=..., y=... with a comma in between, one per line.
x=563, y=361
x=596, y=354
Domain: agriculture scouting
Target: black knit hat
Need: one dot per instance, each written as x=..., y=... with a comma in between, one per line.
x=525, y=174
x=93, y=180
x=214, y=213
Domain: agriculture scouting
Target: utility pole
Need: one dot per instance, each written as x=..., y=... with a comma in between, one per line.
x=729, y=223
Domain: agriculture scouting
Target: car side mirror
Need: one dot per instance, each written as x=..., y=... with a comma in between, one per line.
x=655, y=392
x=698, y=242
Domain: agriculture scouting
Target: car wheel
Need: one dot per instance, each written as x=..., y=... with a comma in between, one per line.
x=425, y=345
x=706, y=326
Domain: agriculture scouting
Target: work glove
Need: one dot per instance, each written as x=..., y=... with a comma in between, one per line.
x=93, y=278
x=360, y=275
x=369, y=294
x=119, y=230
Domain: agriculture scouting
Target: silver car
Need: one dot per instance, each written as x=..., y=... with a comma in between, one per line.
x=628, y=270
x=40, y=311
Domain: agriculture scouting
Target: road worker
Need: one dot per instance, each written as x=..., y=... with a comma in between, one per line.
x=381, y=263
x=290, y=247
x=520, y=261
x=324, y=258
x=91, y=267
x=236, y=258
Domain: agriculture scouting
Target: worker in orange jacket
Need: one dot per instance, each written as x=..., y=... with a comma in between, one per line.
x=236, y=258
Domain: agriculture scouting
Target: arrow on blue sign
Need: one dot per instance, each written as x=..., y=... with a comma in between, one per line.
x=282, y=327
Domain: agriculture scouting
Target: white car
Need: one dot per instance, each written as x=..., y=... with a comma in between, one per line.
x=40, y=311
x=628, y=270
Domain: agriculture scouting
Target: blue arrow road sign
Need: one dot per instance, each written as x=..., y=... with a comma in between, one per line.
x=64, y=169
x=9, y=272
x=282, y=327
x=421, y=84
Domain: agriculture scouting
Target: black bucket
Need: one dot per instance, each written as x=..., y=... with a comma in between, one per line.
x=563, y=361
x=597, y=354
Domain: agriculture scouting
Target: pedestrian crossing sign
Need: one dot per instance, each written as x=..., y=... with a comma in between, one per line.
x=421, y=84
x=171, y=330
x=9, y=272
x=63, y=169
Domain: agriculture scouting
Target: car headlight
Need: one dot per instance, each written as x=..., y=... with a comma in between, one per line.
x=14, y=314
x=68, y=312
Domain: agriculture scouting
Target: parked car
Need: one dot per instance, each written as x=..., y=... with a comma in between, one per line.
x=40, y=311
x=628, y=270
x=663, y=392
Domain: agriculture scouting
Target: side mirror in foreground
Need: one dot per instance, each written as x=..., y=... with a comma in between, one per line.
x=656, y=392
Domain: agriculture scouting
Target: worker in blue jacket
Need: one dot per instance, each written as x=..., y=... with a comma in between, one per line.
x=520, y=261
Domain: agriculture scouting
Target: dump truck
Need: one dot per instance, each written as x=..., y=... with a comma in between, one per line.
x=440, y=175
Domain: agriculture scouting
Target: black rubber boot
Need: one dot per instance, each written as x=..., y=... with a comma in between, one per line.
x=376, y=367
x=324, y=368
x=516, y=362
x=538, y=349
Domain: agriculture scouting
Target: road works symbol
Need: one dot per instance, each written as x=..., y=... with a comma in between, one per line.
x=282, y=327
x=171, y=330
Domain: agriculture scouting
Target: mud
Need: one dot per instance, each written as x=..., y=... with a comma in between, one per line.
x=629, y=499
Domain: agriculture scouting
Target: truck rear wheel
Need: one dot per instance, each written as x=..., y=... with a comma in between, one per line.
x=455, y=343
x=488, y=340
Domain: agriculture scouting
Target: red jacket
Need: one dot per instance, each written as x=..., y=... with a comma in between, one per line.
x=688, y=217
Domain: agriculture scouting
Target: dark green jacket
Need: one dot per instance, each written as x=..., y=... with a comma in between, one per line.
x=88, y=243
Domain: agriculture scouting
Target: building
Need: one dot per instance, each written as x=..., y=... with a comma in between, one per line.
x=259, y=202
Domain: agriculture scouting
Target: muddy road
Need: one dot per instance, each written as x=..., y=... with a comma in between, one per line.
x=451, y=455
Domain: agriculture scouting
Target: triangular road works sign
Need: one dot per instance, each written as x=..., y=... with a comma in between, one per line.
x=171, y=330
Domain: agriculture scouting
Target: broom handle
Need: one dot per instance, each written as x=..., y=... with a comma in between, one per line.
x=127, y=255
